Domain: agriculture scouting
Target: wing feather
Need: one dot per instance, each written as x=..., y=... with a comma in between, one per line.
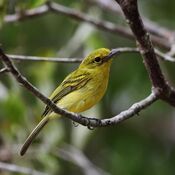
x=71, y=83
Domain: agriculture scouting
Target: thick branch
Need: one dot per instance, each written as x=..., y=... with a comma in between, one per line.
x=90, y=122
x=130, y=9
x=133, y=18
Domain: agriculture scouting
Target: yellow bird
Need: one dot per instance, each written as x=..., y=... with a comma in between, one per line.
x=80, y=90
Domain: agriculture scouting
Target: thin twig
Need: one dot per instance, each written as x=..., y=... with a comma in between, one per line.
x=39, y=11
x=101, y=24
x=122, y=50
x=90, y=122
x=63, y=60
x=4, y=70
x=60, y=9
x=151, y=26
x=19, y=169
x=164, y=56
x=48, y=59
x=74, y=14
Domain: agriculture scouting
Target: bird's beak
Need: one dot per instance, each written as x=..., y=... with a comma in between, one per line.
x=112, y=53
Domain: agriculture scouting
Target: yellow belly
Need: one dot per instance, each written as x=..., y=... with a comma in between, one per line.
x=84, y=98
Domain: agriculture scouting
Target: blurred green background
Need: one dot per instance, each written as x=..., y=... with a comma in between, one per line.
x=144, y=144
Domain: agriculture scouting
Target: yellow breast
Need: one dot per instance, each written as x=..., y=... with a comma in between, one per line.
x=87, y=96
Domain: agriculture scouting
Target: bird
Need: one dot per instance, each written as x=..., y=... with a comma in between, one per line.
x=79, y=91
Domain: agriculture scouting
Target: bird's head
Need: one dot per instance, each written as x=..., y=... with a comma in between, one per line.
x=98, y=58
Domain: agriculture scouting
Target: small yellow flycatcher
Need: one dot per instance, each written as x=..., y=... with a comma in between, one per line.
x=80, y=90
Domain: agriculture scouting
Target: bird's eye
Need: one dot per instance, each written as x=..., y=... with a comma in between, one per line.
x=97, y=59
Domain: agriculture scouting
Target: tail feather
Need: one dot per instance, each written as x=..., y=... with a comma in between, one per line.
x=33, y=135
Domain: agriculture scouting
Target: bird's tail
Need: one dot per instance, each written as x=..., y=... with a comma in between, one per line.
x=33, y=134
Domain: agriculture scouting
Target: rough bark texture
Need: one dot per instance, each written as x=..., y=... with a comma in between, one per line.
x=133, y=18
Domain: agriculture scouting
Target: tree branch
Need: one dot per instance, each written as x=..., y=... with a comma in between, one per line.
x=151, y=26
x=18, y=169
x=100, y=24
x=48, y=59
x=35, y=12
x=89, y=122
x=133, y=18
x=161, y=55
x=60, y=9
x=63, y=60
x=164, y=57
x=4, y=70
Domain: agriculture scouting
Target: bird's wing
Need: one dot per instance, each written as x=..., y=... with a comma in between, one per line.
x=71, y=83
